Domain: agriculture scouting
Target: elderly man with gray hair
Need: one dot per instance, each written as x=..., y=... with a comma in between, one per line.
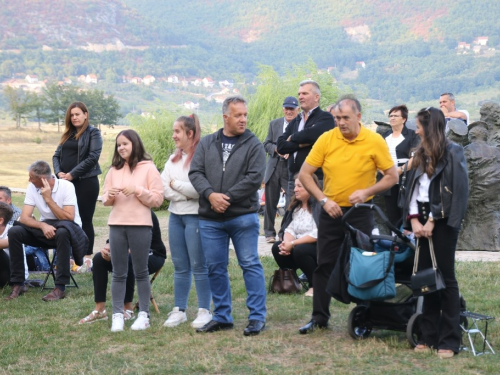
x=226, y=171
x=303, y=131
x=59, y=227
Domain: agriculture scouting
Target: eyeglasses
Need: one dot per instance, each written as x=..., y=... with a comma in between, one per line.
x=394, y=116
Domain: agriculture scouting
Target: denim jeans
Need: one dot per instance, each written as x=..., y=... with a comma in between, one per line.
x=41, y=262
x=244, y=232
x=188, y=259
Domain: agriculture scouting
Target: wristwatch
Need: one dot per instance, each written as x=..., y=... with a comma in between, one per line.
x=323, y=201
x=292, y=245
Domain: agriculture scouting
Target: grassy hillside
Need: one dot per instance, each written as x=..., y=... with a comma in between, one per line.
x=408, y=48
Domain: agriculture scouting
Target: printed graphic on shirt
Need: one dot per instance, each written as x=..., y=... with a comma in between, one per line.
x=227, y=146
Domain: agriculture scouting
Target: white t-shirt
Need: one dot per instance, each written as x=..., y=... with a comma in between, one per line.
x=392, y=143
x=5, y=235
x=63, y=194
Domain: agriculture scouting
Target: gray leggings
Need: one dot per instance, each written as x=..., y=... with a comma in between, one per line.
x=138, y=240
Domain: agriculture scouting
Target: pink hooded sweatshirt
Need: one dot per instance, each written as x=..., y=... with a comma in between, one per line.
x=134, y=209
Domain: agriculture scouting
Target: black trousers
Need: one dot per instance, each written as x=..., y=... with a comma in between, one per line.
x=440, y=324
x=87, y=191
x=330, y=237
x=101, y=268
x=302, y=256
x=394, y=213
x=278, y=181
x=4, y=269
x=19, y=235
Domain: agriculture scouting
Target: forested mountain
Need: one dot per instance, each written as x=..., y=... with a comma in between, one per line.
x=392, y=50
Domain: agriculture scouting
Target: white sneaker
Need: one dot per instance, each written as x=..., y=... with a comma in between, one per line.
x=175, y=317
x=203, y=317
x=118, y=322
x=141, y=323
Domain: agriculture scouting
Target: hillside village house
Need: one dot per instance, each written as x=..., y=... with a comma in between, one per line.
x=91, y=78
x=172, y=79
x=31, y=78
x=208, y=82
x=148, y=80
x=226, y=83
x=191, y=105
x=196, y=82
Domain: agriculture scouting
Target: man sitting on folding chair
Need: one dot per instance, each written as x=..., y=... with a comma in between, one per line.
x=59, y=227
x=102, y=266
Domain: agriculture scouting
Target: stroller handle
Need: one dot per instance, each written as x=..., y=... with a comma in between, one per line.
x=380, y=213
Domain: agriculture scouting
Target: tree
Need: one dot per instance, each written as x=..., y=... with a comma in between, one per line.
x=19, y=104
x=103, y=110
x=53, y=102
x=37, y=107
x=155, y=130
x=266, y=104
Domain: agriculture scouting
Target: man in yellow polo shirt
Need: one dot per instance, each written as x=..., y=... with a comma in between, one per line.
x=350, y=156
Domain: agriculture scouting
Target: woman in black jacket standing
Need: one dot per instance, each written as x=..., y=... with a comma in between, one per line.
x=435, y=206
x=401, y=142
x=77, y=160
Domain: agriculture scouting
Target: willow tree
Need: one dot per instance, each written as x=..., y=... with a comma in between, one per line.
x=155, y=129
x=267, y=101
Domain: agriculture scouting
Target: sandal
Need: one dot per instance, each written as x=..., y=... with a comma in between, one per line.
x=444, y=353
x=128, y=315
x=94, y=316
x=421, y=348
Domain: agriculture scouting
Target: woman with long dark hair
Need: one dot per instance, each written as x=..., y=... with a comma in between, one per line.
x=183, y=226
x=132, y=187
x=435, y=206
x=77, y=160
x=299, y=234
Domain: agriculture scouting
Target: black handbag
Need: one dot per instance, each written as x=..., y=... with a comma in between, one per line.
x=285, y=281
x=402, y=187
x=428, y=280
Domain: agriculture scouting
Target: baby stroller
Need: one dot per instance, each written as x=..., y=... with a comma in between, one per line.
x=401, y=313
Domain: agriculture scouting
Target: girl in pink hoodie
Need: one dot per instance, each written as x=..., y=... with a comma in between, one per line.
x=133, y=185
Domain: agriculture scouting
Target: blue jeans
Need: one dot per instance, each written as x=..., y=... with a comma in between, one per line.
x=244, y=232
x=41, y=262
x=188, y=258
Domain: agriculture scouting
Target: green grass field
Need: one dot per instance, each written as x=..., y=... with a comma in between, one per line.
x=44, y=338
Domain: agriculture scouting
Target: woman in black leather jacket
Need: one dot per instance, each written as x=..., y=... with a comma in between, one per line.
x=77, y=160
x=435, y=206
x=401, y=141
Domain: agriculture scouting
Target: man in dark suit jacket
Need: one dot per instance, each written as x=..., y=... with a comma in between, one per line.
x=303, y=131
x=276, y=177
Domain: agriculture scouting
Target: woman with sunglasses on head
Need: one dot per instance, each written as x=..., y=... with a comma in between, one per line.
x=435, y=206
x=401, y=142
x=183, y=226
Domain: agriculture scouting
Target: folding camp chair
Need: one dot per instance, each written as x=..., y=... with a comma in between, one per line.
x=151, y=297
x=51, y=272
x=474, y=332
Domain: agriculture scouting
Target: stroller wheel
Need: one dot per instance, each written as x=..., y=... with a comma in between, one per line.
x=358, y=324
x=413, y=332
